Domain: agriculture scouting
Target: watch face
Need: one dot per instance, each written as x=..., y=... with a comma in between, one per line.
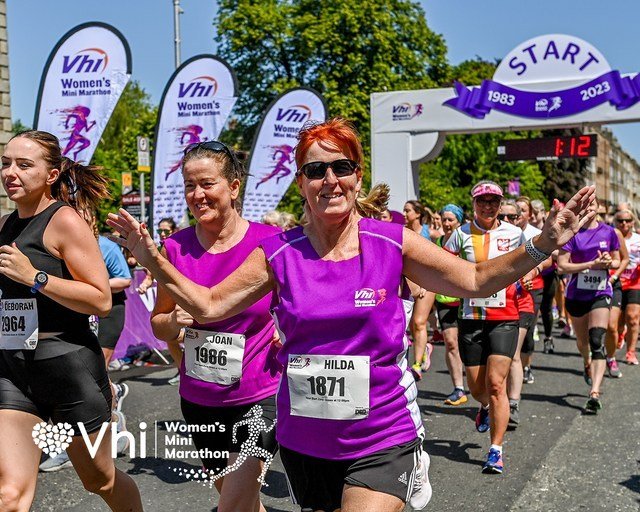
x=41, y=278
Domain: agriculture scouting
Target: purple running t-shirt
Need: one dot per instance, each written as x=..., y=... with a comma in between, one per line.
x=346, y=391
x=260, y=368
x=588, y=285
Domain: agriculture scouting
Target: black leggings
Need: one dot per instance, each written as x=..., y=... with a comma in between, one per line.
x=546, y=306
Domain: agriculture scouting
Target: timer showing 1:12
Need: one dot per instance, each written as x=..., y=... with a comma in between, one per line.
x=578, y=146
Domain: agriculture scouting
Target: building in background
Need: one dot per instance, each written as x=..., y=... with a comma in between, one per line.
x=5, y=102
x=615, y=173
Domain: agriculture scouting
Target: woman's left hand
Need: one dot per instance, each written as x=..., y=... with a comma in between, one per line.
x=15, y=265
x=564, y=222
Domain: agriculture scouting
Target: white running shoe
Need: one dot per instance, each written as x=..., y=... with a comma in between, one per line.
x=120, y=392
x=56, y=463
x=122, y=443
x=421, y=491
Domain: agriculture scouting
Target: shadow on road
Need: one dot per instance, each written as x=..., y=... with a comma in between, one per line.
x=558, y=400
x=452, y=450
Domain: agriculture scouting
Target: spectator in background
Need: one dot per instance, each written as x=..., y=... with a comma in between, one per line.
x=271, y=218
x=166, y=228
x=538, y=214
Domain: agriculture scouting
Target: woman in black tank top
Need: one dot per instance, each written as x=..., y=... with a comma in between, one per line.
x=52, y=277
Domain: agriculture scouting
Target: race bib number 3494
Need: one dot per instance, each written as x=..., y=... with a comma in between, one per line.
x=329, y=387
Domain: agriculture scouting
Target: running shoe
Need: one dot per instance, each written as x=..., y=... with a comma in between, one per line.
x=631, y=358
x=174, y=381
x=527, y=376
x=514, y=414
x=437, y=337
x=482, y=420
x=587, y=375
x=457, y=397
x=421, y=491
x=494, y=462
x=561, y=322
x=567, y=332
x=426, y=360
x=60, y=461
x=416, y=370
x=621, y=337
x=614, y=371
x=121, y=426
x=593, y=405
x=120, y=392
x=118, y=365
x=549, y=347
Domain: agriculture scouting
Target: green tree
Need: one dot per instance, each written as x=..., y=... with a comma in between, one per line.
x=18, y=126
x=346, y=50
x=117, y=150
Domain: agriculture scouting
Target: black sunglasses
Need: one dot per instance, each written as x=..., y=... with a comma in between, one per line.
x=163, y=231
x=317, y=170
x=216, y=146
x=624, y=220
x=510, y=216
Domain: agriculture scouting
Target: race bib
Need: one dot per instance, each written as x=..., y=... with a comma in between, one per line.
x=213, y=356
x=329, y=387
x=18, y=324
x=497, y=300
x=593, y=280
x=628, y=273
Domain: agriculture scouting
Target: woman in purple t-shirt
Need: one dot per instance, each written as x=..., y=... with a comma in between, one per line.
x=229, y=368
x=349, y=426
x=588, y=257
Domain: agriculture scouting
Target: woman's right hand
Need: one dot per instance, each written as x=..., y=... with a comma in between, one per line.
x=181, y=318
x=602, y=262
x=134, y=236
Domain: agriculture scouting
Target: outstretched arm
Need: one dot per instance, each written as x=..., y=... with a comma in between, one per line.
x=245, y=286
x=439, y=271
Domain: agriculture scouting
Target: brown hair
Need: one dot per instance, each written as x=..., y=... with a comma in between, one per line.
x=231, y=170
x=80, y=186
x=375, y=202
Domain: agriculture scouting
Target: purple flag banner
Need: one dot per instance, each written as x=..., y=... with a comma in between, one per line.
x=195, y=105
x=513, y=187
x=621, y=92
x=137, y=319
x=81, y=84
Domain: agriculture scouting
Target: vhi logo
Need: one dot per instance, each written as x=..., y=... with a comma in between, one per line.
x=294, y=114
x=89, y=60
x=198, y=87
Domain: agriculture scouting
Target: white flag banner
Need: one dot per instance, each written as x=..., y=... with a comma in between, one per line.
x=272, y=166
x=195, y=106
x=81, y=84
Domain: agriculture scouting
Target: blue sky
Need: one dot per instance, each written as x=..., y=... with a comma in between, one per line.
x=489, y=29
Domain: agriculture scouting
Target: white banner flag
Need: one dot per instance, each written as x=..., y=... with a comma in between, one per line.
x=195, y=106
x=81, y=84
x=272, y=166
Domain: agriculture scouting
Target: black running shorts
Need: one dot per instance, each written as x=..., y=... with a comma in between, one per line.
x=447, y=315
x=616, y=299
x=71, y=388
x=110, y=327
x=630, y=297
x=219, y=440
x=578, y=308
x=317, y=484
x=479, y=339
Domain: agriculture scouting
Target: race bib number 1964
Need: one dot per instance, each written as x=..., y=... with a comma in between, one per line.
x=18, y=324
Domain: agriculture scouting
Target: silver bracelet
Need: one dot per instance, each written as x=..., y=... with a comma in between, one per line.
x=536, y=254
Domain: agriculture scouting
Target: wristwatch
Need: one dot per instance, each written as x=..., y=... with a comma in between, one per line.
x=39, y=281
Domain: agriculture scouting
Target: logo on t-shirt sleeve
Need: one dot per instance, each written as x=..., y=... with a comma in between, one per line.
x=503, y=244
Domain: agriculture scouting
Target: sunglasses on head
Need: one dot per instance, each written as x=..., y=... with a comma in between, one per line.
x=510, y=216
x=213, y=145
x=317, y=170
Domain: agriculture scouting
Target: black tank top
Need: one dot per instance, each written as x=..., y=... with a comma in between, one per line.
x=28, y=235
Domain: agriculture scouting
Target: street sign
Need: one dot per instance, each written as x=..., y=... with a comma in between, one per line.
x=143, y=154
x=127, y=182
x=132, y=203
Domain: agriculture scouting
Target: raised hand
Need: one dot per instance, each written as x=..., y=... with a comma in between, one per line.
x=134, y=236
x=564, y=222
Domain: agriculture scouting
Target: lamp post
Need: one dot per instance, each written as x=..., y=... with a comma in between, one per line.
x=177, y=11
